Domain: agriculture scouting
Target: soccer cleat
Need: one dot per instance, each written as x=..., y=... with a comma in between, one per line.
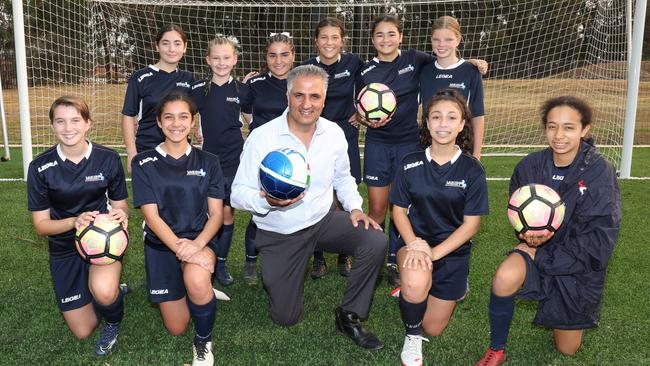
x=393, y=275
x=202, y=354
x=319, y=269
x=412, y=350
x=250, y=273
x=344, y=264
x=223, y=276
x=395, y=292
x=107, y=339
x=492, y=358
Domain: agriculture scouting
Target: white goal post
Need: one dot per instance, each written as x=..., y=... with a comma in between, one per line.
x=536, y=49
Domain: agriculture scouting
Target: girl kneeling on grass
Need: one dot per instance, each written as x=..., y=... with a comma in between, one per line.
x=68, y=185
x=180, y=191
x=564, y=271
x=438, y=197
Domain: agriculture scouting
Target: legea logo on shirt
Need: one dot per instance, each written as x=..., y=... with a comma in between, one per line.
x=343, y=74
x=368, y=69
x=413, y=165
x=196, y=173
x=47, y=166
x=444, y=76
x=232, y=99
x=184, y=84
x=147, y=160
x=71, y=299
x=199, y=85
x=457, y=184
x=558, y=177
x=408, y=68
x=144, y=76
x=457, y=85
x=95, y=178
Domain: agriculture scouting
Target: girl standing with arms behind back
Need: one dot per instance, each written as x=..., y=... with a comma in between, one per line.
x=218, y=99
x=147, y=86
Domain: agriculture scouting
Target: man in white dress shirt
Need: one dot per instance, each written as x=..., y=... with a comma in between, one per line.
x=290, y=230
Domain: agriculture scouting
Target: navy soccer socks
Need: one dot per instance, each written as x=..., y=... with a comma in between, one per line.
x=412, y=315
x=501, y=310
x=203, y=317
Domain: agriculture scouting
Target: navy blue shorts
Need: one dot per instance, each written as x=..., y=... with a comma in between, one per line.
x=352, y=137
x=450, y=277
x=164, y=274
x=227, y=188
x=380, y=162
x=70, y=279
x=532, y=287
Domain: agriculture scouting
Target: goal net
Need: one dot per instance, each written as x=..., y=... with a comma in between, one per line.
x=535, y=49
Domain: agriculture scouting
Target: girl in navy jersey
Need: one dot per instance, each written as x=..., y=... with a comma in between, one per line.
x=451, y=71
x=267, y=100
x=342, y=68
x=564, y=271
x=147, y=86
x=218, y=99
x=180, y=192
x=68, y=185
x=438, y=197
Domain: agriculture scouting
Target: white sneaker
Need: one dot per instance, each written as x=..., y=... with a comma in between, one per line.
x=202, y=353
x=412, y=350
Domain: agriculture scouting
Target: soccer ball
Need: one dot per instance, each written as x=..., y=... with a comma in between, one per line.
x=376, y=102
x=103, y=241
x=535, y=208
x=284, y=174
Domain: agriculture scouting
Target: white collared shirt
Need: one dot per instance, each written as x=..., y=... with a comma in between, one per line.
x=330, y=170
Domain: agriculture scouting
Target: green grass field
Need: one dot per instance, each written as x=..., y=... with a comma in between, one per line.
x=33, y=332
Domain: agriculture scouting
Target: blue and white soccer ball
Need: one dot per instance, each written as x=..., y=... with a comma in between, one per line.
x=284, y=174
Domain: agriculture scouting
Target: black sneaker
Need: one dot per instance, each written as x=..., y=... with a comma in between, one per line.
x=393, y=275
x=344, y=264
x=319, y=268
x=223, y=276
x=107, y=339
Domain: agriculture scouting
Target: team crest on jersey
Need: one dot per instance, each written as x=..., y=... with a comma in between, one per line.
x=232, y=99
x=95, y=178
x=343, y=74
x=363, y=72
x=144, y=76
x=408, y=68
x=147, y=160
x=196, y=173
x=457, y=184
x=183, y=84
x=582, y=187
x=457, y=85
x=413, y=165
x=47, y=166
x=444, y=76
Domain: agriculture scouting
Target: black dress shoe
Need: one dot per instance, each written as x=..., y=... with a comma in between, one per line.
x=349, y=324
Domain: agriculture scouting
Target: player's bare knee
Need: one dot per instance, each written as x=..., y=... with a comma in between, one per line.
x=506, y=281
x=434, y=330
x=105, y=295
x=83, y=332
x=568, y=349
x=414, y=291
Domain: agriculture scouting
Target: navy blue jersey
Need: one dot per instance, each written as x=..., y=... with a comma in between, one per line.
x=341, y=88
x=439, y=196
x=68, y=189
x=267, y=99
x=573, y=263
x=402, y=75
x=146, y=87
x=462, y=76
x=180, y=188
x=220, y=124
